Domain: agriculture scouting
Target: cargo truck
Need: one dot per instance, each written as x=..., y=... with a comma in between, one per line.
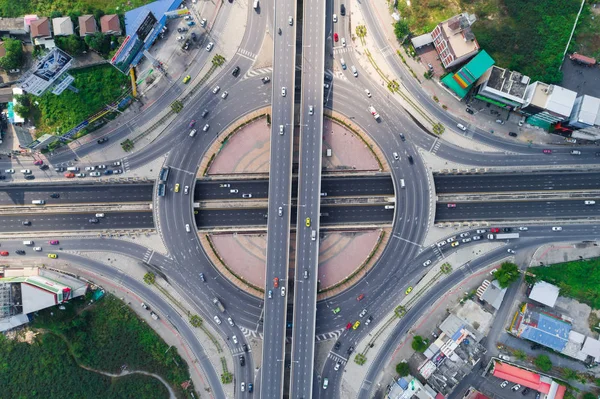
x=218, y=304
x=373, y=112
x=504, y=236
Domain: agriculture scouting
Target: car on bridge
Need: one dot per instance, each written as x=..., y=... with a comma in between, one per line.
x=276, y=282
x=451, y=205
x=307, y=222
x=408, y=290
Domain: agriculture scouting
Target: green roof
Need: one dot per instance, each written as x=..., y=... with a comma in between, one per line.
x=461, y=81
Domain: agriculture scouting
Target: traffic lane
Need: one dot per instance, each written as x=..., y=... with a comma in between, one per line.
x=76, y=221
x=498, y=182
x=505, y=210
x=331, y=187
x=75, y=193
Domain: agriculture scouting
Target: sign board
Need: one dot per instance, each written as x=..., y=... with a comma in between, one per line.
x=74, y=131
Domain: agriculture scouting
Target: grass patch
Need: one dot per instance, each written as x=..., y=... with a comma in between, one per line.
x=98, y=86
x=530, y=39
x=587, y=35
x=12, y=8
x=106, y=336
x=578, y=279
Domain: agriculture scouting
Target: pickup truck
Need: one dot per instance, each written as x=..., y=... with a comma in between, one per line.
x=373, y=112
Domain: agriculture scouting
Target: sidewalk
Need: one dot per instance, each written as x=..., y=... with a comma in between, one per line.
x=482, y=118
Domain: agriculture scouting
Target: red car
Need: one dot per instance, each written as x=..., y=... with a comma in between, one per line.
x=192, y=123
x=4, y=253
x=276, y=282
x=38, y=162
x=451, y=205
x=547, y=151
x=69, y=175
x=348, y=326
x=53, y=242
x=335, y=37
x=360, y=297
x=495, y=230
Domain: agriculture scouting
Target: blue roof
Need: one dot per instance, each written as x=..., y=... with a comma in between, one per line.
x=547, y=331
x=135, y=17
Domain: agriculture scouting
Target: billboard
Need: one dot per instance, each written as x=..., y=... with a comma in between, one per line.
x=146, y=26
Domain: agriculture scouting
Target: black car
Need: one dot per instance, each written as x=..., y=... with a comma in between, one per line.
x=342, y=9
x=506, y=229
x=26, y=223
x=102, y=140
x=337, y=345
x=55, y=195
x=525, y=391
x=204, y=113
x=44, y=167
x=242, y=360
x=186, y=45
x=402, y=137
x=266, y=79
x=20, y=252
x=410, y=159
x=512, y=134
x=2, y=177
x=236, y=71
x=108, y=172
x=94, y=220
x=350, y=350
x=245, y=347
x=29, y=177
x=469, y=111
x=193, y=36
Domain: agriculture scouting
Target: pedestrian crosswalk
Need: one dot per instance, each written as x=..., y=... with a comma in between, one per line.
x=148, y=255
x=337, y=358
x=343, y=50
x=386, y=51
x=125, y=165
x=436, y=146
x=247, y=54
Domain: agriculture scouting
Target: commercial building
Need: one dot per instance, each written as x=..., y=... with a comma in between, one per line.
x=529, y=379
x=49, y=72
x=462, y=81
x=585, y=117
x=503, y=88
x=454, y=41
x=409, y=388
x=546, y=105
x=542, y=327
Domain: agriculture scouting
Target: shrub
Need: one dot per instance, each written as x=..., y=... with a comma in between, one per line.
x=543, y=362
x=402, y=369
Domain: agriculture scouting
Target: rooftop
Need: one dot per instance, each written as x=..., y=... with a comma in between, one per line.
x=457, y=31
x=560, y=100
x=40, y=27
x=544, y=293
x=11, y=24
x=508, y=82
x=110, y=23
x=62, y=26
x=542, y=327
x=87, y=25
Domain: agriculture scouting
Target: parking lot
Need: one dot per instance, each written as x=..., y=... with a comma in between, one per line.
x=581, y=79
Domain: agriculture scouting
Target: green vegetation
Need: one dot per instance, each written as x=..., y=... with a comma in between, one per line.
x=419, y=344
x=446, y=268
x=402, y=369
x=226, y=376
x=176, y=106
x=99, y=42
x=438, y=128
x=72, y=44
x=127, y=146
x=149, y=278
x=520, y=355
x=360, y=359
x=543, y=362
x=47, y=368
x=196, y=321
x=401, y=30
x=98, y=86
x=530, y=39
x=102, y=337
x=218, y=60
x=507, y=274
x=589, y=395
x=577, y=279
x=12, y=8
x=569, y=374
x=587, y=35
x=13, y=58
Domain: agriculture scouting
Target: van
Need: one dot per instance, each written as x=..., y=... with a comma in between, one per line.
x=193, y=133
x=402, y=185
x=38, y=202
x=313, y=235
x=99, y=215
x=27, y=242
x=329, y=152
x=389, y=207
x=73, y=169
x=343, y=63
x=187, y=228
x=255, y=4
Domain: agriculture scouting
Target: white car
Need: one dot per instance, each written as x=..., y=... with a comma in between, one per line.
x=461, y=127
x=589, y=202
x=395, y=155
x=337, y=367
x=441, y=244
x=311, y=110
x=290, y=20
x=210, y=46
x=90, y=168
x=283, y=91
x=427, y=263
x=9, y=171
x=95, y=174
x=334, y=18
x=368, y=93
x=230, y=321
x=449, y=240
x=282, y=291
x=101, y=166
x=224, y=95
x=480, y=231
x=205, y=128
x=281, y=130
x=270, y=294
x=80, y=174
x=243, y=386
x=186, y=190
x=510, y=251
x=364, y=312
x=465, y=234
x=476, y=238
x=203, y=22
x=37, y=249
x=343, y=42
x=523, y=228
x=216, y=89
x=557, y=229
x=466, y=240
x=280, y=211
x=217, y=320
x=234, y=339
x=180, y=38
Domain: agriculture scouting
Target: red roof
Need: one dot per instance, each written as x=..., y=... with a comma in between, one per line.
x=526, y=378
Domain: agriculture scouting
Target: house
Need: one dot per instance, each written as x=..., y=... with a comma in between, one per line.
x=62, y=26
x=110, y=25
x=454, y=41
x=13, y=26
x=87, y=25
x=491, y=293
x=544, y=293
x=461, y=82
x=40, y=29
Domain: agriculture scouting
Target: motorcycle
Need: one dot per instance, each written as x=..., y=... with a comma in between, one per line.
x=279, y=31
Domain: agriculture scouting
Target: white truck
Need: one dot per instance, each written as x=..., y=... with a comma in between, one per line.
x=505, y=236
x=373, y=112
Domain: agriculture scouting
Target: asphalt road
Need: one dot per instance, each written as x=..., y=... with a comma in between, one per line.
x=331, y=186
x=76, y=193
x=75, y=221
x=521, y=210
x=502, y=182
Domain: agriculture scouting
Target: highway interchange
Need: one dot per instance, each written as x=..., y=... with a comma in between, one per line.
x=381, y=287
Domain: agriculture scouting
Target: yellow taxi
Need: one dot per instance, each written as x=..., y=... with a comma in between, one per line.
x=52, y=256
x=455, y=244
x=408, y=290
x=307, y=222
x=356, y=325
x=186, y=79
x=177, y=188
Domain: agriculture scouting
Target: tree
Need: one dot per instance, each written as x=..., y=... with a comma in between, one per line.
x=507, y=274
x=419, y=344
x=401, y=29
x=13, y=59
x=196, y=321
x=98, y=42
x=569, y=374
x=23, y=106
x=402, y=369
x=543, y=362
x=519, y=354
x=72, y=44
x=149, y=278
x=589, y=395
